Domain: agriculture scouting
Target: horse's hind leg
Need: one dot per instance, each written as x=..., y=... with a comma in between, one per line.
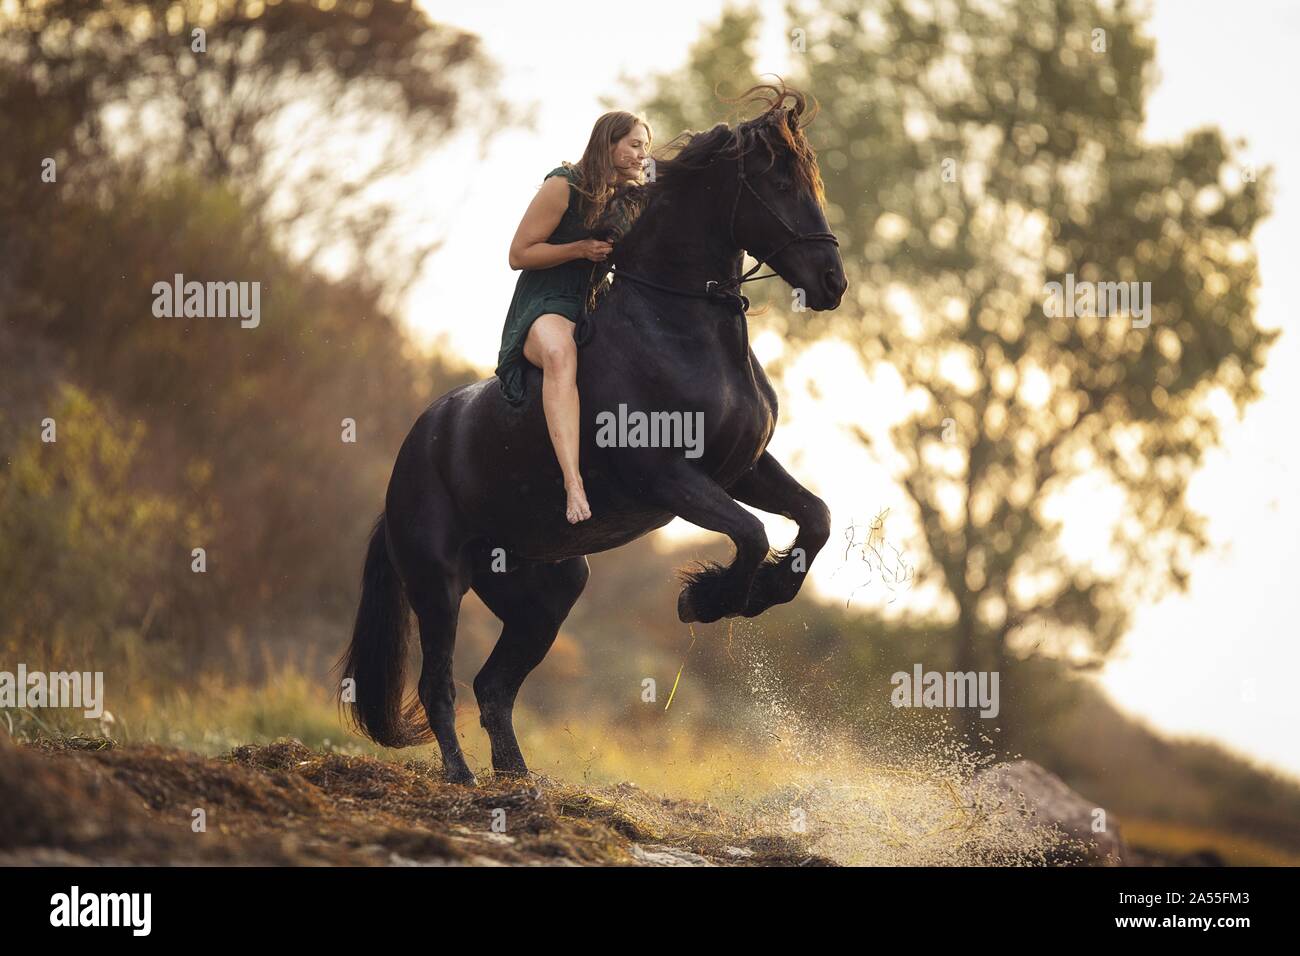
x=532, y=602
x=436, y=573
x=438, y=607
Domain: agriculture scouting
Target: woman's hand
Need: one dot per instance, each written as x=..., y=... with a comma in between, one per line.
x=597, y=250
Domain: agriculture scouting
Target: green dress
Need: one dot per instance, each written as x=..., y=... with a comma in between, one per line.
x=558, y=289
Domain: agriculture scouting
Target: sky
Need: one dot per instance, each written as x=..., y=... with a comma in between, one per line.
x=1215, y=663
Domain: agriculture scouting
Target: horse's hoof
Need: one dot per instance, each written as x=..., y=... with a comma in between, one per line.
x=465, y=778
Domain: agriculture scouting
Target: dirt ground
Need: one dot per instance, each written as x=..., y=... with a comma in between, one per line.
x=87, y=801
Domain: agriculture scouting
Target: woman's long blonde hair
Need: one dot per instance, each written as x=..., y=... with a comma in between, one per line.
x=596, y=173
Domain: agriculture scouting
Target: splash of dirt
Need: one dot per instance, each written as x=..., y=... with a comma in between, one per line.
x=884, y=798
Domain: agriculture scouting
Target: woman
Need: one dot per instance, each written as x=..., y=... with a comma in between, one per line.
x=555, y=248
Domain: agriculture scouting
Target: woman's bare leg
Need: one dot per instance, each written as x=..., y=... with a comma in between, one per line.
x=550, y=347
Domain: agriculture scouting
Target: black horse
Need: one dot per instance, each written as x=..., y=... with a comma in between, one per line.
x=476, y=498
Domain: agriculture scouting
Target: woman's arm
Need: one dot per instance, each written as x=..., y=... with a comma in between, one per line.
x=529, y=248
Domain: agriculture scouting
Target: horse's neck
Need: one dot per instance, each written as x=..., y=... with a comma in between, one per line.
x=694, y=326
x=676, y=245
x=679, y=242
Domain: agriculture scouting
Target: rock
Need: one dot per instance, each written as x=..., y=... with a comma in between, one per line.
x=1035, y=799
x=657, y=855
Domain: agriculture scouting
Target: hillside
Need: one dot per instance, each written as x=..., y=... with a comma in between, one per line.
x=88, y=801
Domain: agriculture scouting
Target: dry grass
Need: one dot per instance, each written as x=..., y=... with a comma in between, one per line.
x=78, y=800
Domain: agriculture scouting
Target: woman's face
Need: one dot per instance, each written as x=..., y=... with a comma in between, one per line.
x=629, y=153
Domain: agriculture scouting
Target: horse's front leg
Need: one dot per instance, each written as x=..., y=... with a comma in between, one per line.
x=768, y=487
x=713, y=590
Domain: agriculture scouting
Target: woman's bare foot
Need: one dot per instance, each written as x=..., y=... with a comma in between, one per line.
x=577, y=508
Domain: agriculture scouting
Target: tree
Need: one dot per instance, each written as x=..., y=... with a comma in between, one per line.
x=83, y=553
x=307, y=111
x=973, y=154
x=242, y=426
x=719, y=64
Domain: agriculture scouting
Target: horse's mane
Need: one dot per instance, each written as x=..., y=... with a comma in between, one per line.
x=779, y=127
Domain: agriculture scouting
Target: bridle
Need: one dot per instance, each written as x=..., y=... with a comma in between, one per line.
x=729, y=291
x=791, y=234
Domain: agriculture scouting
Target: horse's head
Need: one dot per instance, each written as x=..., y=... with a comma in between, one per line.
x=752, y=187
x=778, y=212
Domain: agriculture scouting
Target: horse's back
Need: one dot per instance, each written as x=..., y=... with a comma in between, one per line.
x=496, y=464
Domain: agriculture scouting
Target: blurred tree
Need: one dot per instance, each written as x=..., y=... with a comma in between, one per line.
x=244, y=422
x=974, y=153
x=719, y=64
x=168, y=160
x=308, y=111
x=83, y=554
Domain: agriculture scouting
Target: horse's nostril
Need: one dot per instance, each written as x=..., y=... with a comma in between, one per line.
x=835, y=282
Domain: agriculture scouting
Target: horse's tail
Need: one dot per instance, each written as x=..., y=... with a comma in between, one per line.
x=374, y=668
